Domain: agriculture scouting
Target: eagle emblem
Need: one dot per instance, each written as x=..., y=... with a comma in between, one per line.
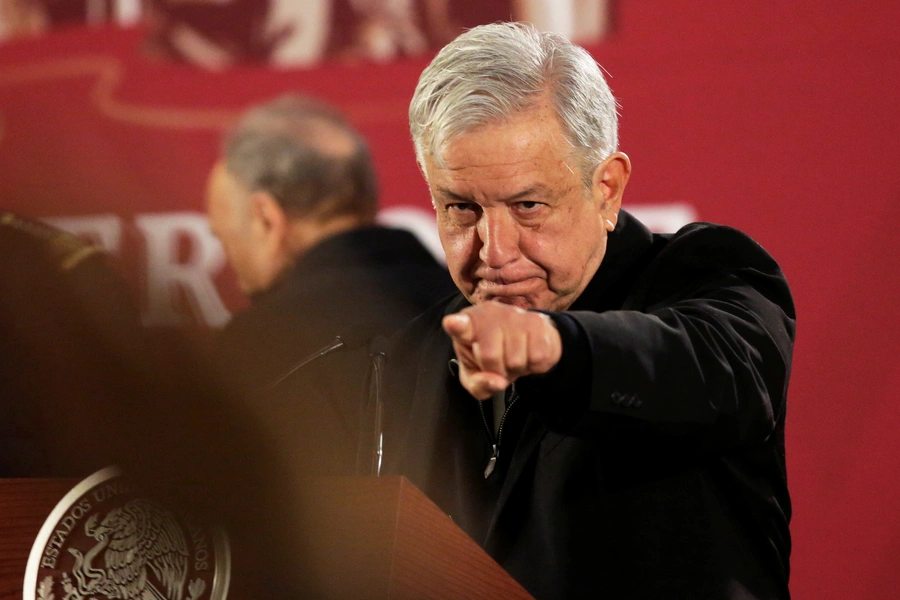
x=107, y=541
x=137, y=539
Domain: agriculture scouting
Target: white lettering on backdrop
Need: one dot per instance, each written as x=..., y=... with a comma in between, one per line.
x=181, y=257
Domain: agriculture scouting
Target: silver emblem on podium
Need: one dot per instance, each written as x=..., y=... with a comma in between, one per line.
x=104, y=540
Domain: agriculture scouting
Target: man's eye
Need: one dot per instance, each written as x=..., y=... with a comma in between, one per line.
x=459, y=206
x=529, y=206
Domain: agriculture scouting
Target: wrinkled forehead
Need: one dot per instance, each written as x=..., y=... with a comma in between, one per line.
x=531, y=139
x=474, y=118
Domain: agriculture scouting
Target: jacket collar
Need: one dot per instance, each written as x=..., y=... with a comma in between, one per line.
x=627, y=246
x=369, y=247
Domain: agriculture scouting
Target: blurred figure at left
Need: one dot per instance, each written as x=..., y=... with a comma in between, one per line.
x=82, y=387
x=69, y=328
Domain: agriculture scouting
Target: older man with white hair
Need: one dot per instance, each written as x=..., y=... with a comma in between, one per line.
x=601, y=408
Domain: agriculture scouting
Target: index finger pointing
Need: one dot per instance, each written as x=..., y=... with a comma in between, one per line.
x=459, y=327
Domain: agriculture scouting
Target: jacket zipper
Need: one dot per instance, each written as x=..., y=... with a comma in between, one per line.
x=495, y=443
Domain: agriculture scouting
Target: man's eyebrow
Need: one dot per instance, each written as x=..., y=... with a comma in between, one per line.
x=535, y=190
x=454, y=196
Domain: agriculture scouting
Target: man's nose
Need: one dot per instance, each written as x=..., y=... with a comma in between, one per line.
x=499, y=234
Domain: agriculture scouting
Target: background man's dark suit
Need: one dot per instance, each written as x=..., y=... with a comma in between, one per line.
x=650, y=462
x=365, y=281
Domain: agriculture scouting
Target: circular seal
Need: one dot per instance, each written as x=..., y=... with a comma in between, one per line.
x=103, y=540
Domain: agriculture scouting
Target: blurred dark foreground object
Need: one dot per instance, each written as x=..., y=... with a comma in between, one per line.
x=66, y=326
x=82, y=388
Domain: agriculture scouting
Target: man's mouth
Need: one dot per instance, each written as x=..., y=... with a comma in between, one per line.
x=493, y=290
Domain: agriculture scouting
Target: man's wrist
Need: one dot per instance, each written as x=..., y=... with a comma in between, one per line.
x=561, y=395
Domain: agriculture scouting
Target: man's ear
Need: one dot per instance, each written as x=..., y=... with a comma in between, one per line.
x=269, y=219
x=268, y=243
x=609, y=181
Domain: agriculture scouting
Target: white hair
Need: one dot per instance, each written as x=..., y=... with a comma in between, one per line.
x=306, y=156
x=492, y=72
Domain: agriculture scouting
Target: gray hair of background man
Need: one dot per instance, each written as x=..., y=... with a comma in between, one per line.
x=492, y=72
x=289, y=148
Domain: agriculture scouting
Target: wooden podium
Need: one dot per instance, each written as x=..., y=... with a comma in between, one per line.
x=381, y=539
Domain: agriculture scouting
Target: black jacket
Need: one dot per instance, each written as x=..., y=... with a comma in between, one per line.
x=378, y=278
x=650, y=462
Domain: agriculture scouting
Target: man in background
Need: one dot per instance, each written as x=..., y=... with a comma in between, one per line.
x=293, y=200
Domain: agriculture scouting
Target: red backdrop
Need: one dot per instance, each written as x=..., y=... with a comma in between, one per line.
x=779, y=118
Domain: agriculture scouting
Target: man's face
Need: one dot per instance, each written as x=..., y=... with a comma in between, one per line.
x=514, y=217
x=230, y=219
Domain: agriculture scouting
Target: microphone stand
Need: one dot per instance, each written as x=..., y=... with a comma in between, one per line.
x=374, y=407
x=370, y=453
x=377, y=356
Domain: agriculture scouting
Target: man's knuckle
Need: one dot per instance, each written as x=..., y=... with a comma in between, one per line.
x=517, y=363
x=538, y=356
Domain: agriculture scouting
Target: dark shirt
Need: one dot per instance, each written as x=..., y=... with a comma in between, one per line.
x=650, y=462
x=365, y=281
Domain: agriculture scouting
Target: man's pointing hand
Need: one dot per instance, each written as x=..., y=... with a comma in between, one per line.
x=497, y=343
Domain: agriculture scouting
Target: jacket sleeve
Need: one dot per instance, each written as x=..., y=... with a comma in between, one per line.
x=704, y=353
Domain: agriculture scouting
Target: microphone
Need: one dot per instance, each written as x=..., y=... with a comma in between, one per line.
x=355, y=336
